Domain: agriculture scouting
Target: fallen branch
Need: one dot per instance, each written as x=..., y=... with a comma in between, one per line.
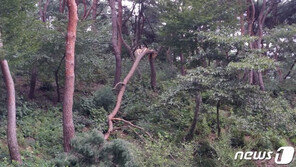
x=140, y=53
x=132, y=125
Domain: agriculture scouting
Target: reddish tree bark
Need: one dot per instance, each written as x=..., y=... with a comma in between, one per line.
x=116, y=41
x=42, y=13
x=94, y=12
x=152, y=71
x=62, y=6
x=140, y=53
x=198, y=102
x=183, y=72
x=68, y=125
x=11, y=115
x=242, y=24
x=84, y=8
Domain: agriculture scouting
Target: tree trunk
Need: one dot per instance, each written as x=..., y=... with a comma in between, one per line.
x=62, y=5
x=68, y=125
x=140, y=53
x=153, y=72
x=116, y=39
x=198, y=102
x=261, y=20
x=117, y=69
x=33, y=83
x=84, y=8
x=218, y=119
x=255, y=78
x=263, y=12
x=260, y=80
x=11, y=115
x=183, y=72
x=251, y=77
x=94, y=12
x=242, y=24
x=169, y=57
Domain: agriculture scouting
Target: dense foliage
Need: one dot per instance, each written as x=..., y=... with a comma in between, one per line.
x=204, y=48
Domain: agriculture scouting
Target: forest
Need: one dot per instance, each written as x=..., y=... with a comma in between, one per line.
x=147, y=83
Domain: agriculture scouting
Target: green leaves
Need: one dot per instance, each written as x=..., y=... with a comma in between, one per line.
x=253, y=62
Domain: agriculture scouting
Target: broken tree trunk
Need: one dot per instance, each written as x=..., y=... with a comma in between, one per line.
x=140, y=53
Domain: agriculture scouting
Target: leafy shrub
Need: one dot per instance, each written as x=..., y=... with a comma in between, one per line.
x=101, y=76
x=84, y=105
x=203, y=128
x=263, y=143
x=237, y=138
x=118, y=152
x=99, y=115
x=205, y=155
x=225, y=153
x=104, y=97
x=91, y=149
x=135, y=111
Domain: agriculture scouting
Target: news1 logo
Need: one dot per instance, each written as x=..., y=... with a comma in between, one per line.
x=283, y=156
